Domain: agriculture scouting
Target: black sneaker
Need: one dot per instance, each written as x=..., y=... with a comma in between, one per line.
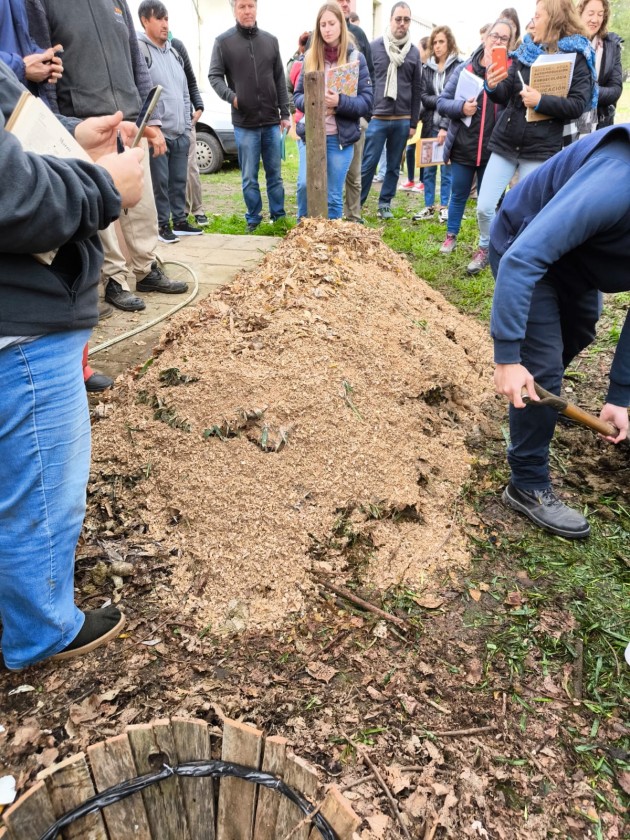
x=546, y=510
x=251, y=226
x=201, y=219
x=166, y=235
x=157, y=281
x=186, y=229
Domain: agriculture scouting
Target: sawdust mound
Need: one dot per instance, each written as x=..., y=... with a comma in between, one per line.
x=310, y=417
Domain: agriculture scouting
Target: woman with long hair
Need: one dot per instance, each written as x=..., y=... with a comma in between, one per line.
x=595, y=15
x=332, y=46
x=442, y=61
x=518, y=144
x=471, y=122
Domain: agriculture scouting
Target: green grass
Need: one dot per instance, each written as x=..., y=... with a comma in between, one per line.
x=623, y=106
x=588, y=581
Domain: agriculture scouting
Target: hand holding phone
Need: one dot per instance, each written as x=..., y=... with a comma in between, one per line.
x=146, y=112
x=499, y=59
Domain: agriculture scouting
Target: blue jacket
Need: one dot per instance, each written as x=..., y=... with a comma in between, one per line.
x=350, y=108
x=567, y=222
x=15, y=39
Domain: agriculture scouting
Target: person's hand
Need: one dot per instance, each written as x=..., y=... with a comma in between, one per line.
x=156, y=140
x=618, y=416
x=469, y=108
x=285, y=125
x=412, y=132
x=43, y=67
x=331, y=99
x=127, y=173
x=235, y=103
x=97, y=135
x=530, y=96
x=441, y=136
x=510, y=380
x=495, y=75
x=196, y=115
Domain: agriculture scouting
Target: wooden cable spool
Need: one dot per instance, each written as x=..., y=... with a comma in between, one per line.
x=177, y=807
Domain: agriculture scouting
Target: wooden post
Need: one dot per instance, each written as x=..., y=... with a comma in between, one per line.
x=316, y=177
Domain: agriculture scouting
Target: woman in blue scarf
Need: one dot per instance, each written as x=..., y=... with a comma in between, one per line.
x=519, y=145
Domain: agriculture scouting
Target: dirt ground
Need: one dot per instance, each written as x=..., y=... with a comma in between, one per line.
x=315, y=427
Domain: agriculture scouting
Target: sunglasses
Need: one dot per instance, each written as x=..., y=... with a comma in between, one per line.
x=402, y=20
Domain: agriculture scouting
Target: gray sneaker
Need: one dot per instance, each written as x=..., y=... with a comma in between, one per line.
x=449, y=244
x=546, y=510
x=385, y=212
x=478, y=262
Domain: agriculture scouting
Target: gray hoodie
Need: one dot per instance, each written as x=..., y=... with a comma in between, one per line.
x=166, y=69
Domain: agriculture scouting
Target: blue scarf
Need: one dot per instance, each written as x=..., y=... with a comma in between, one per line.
x=528, y=52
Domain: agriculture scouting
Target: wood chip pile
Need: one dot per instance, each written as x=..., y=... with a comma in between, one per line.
x=311, y=417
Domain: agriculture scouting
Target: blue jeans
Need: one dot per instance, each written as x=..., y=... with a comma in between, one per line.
x=461, y=183
x=499, y=172
x=169, y=173
x=254, y=144
x=561, y=323
x=430, y=177
x=395, y=134
x=44, y=466
x=337, y=164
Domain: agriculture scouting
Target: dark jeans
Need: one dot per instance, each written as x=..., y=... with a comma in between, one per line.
x=379, y=132
x=461, y=183
x=561, y=323
x=411, y=165
x=169, y=173
x=254, y=145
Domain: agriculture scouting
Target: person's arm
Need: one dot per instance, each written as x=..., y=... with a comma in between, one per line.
x=584, y=207
x=217, y=74
x=610, y=92
x=428, y=96
x=355, y=107
x=416, y=82
x=447, y=105
x=366, y=49
x=191, y=79
x=282, y=93
x=504, y=90
x=298, y=90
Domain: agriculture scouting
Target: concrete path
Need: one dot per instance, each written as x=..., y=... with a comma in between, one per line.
x=215, y=259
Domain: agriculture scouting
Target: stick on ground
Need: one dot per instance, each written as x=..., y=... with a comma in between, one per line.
x=365, y=605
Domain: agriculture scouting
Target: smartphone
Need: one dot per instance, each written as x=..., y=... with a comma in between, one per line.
x=146, y=111
x=499, y=58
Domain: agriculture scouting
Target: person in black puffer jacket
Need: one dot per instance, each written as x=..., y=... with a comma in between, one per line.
x=595, y=15
x=516, y=143
x=471, y=122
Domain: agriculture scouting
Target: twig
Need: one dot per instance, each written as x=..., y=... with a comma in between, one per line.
x=374, y=770
x=356, y=783
x=463, y=733
x=365, y=605
x=442, y=709
x=304, y=821
x=579, y=669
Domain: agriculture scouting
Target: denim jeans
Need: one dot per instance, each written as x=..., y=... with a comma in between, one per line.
x=337, y=164
x=561, y=323
x=395, y=134
x=429, y=178
x=462, y=177
x=44, y=466
x=499, y=172
x=169, y=173
x=254, y=144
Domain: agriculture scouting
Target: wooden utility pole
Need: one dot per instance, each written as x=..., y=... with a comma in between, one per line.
x=316, y=178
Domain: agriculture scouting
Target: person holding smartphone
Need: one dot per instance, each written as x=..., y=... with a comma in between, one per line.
x=519, y=145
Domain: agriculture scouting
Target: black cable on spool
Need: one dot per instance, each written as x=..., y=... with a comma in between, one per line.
x=191, y=769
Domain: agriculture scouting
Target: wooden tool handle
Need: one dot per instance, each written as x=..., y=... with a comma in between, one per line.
x=586, y=419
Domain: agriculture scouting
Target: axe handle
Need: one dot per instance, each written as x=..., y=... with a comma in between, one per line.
x=589, y=420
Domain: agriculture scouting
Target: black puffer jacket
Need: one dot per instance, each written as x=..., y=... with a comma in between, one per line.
x=610, y=80
x=246, y=66
x=431, y=119
x=514, y=137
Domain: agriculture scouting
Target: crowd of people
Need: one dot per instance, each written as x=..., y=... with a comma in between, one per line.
x=560, y=238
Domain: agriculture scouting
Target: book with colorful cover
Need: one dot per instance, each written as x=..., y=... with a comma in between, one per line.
x=344, y=78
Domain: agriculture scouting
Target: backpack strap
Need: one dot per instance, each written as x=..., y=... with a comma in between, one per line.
x=146, y=52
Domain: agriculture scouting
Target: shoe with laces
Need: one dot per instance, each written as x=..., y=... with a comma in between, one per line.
x=425, y=214
x=418, y=188
x=157, y=281
x=408, y=186
x=186, y=229
x=443, y=214
x=384, y=212
x=546, y=510
x=201, y=219
x=478, y=262
x=166, y=235
x=449, y=244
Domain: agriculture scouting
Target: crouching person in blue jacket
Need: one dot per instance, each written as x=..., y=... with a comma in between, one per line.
x=332, y=46
x=562, y=237
x=47, y=312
